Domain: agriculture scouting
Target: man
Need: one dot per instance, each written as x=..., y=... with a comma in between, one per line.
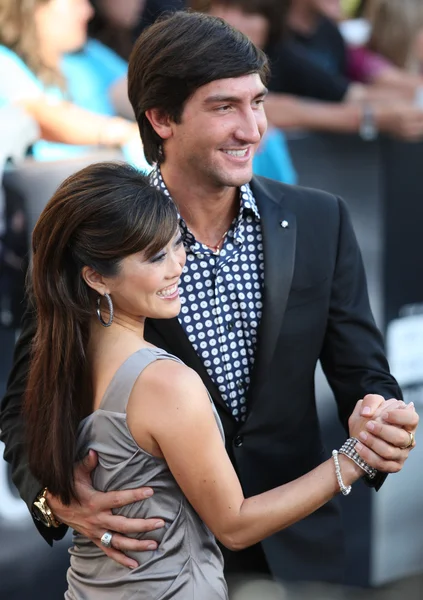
x=305, y=94
x=273, y=282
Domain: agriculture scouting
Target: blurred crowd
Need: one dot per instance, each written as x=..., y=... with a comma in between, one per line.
x=347, y=66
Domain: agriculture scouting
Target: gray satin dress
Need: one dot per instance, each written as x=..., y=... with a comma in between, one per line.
x=188, y=564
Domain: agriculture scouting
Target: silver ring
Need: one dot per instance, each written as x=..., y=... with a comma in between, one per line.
x=106, y=539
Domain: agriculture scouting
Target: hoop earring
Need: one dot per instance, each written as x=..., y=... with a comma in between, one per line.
x=98, y=311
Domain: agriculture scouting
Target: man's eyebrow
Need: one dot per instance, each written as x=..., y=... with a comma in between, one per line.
x=216, y=98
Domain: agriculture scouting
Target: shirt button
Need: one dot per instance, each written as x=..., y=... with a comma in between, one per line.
x=230, y=325
x=239, y=384
x=238, y=441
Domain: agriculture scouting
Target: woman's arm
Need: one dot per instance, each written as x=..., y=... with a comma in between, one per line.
x=369, y=67
x=400, y=119
x=398, y=80
x=59, y=121
x=67, y=123
x=170, y=407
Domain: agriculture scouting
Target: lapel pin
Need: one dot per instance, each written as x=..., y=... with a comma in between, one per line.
x=284, y=224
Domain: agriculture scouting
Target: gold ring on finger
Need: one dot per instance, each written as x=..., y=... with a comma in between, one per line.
x=411, y=444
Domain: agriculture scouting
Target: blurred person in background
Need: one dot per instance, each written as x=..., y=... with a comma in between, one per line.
x=352, y=9
x=305, y=95
x=13, y=260
x=114, y=24
x=393, y=55
x=154, y=8
x=273, y=282
x=313, y=26
x=62, y=79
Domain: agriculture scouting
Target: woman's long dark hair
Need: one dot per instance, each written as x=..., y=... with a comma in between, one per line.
x=97, y=217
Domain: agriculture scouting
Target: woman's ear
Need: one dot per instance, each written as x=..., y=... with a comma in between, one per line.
x=94, y=280
x=160, y=122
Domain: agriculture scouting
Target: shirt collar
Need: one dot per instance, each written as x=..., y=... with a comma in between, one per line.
x=248, y=203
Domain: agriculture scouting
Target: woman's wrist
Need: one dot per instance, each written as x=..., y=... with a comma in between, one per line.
x=116, y=132
x=349, y=470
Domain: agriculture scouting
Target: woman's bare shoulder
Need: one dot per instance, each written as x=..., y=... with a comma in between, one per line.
x=167, y=378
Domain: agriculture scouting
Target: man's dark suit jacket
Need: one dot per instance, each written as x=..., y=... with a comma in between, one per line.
x=315, y=307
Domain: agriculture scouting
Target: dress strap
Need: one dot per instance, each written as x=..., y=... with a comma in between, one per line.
x=119, y=389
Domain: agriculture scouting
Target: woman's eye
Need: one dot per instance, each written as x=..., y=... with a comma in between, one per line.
x=157, y=258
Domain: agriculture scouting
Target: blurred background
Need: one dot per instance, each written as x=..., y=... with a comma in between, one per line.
x=345, y=114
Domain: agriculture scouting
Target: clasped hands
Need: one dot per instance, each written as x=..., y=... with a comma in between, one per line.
x=383, y=428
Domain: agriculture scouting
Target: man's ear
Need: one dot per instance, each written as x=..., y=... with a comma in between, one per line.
x=94, y=280
x=160, y=122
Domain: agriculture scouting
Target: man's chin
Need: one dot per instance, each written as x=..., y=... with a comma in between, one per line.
x=238, y=177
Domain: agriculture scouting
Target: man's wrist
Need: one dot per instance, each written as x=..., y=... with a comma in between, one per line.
x=377, y=481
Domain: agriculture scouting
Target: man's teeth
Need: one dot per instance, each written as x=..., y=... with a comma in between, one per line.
x=237, y=153
x=169, y=291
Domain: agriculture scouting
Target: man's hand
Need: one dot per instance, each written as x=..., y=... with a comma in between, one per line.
x=93, y=516
x=386, y=434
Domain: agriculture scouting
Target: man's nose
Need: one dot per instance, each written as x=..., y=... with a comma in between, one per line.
x=248, y=128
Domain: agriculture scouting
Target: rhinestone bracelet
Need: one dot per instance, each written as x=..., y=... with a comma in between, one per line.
x=344, y=489
x=348, y=449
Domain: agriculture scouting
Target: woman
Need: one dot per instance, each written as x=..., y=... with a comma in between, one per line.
x=63, y=80
x=107, y=254
x=393, y=55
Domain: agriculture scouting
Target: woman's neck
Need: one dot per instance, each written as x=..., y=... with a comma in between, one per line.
x=107, y=350
x=122, y=333
x=50, y=58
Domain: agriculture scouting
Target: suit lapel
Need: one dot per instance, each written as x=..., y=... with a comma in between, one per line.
x=169, y=335
x=279, y=242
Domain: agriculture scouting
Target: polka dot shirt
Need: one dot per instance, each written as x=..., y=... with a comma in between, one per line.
x=221, y=300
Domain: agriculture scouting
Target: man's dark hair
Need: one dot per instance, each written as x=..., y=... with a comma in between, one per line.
x=176, y=56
